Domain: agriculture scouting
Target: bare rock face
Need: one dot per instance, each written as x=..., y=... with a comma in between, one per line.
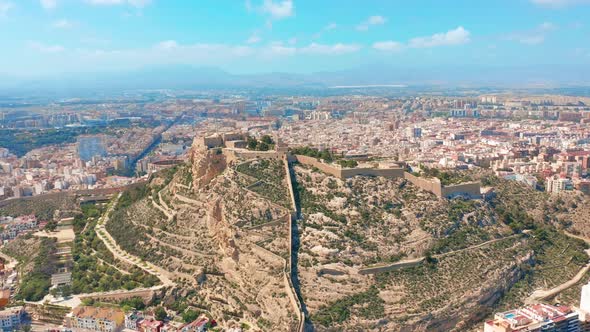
x=221, y=231
x=206, y=165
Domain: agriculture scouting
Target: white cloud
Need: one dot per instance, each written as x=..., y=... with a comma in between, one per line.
x=330, y=26
x=5, y=7
x=44, y=48
x=376, y=20
x=189, y=51
x=559, y=3
x=334, y=49
x=169, y=52
x=167, y=45
x=63, y=24
x=388, y=45
x=139, y=3
x=48, y=4
x=456, y=36
x=254, y=39
x=547, y=26
x=533, y=36
x=134, y=3
x=281, y=50
x=313, y=49
x=532, y=40
x=106, y=2
x=373, y=20
x=279, y=9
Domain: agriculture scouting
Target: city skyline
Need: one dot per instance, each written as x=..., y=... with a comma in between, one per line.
x=60, y=37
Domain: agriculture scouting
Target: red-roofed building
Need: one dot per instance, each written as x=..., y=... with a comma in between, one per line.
x=150, y=325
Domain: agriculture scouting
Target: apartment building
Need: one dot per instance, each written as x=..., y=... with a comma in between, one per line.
x=85, y=318
x=11, y=318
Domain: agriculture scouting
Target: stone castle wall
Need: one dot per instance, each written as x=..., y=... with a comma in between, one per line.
x=344, y=173
x=432, y=185
x=471, y=189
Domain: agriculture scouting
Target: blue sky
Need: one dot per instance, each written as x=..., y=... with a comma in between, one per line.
x=41, y=37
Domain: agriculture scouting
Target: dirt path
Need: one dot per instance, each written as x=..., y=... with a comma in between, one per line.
x=541, y=294
x=124, y=256
x=10, y=261
x=164, y=211
x=419, y=260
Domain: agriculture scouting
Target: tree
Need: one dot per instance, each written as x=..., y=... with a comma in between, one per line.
x=190, y=316
x=251, y=143
x=25, y=328
x=326, y=156
x=160, y=313
x=135, y=302
x=429, y=259
x=66, y=290
x=263, y=146
x=267, y=139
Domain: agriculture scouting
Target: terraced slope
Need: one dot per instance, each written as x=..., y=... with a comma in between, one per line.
x=456, y=258
x=222, y=241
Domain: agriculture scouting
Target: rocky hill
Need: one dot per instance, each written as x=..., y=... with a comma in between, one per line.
x=454, y=261
x=221, y=241
x=370, y=253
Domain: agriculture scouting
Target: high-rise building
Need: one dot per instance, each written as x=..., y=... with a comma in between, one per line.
x=414, y=132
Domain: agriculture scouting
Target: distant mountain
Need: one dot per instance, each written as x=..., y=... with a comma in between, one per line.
x=189, y=77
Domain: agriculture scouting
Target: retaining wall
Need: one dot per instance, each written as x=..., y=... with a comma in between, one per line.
x=294, y=215
x=391, y=267
x=290, y=184
x=145, y=294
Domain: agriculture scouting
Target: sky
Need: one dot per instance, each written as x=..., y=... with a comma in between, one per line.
x=48, y=37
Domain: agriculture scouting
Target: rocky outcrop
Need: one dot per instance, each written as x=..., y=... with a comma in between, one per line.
x=206, y=165
x=221, y=231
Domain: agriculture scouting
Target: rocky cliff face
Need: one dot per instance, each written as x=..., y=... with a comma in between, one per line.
x=223, y=244
x=250, y=235
x=206, y=165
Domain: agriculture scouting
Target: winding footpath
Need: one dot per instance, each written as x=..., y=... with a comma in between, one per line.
x=124, y=256
x=417, y=261
x=541, y=294
x=118, y=253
